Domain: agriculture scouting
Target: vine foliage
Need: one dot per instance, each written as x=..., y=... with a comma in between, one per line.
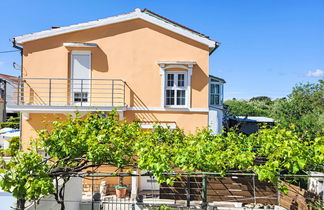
x=80, y=145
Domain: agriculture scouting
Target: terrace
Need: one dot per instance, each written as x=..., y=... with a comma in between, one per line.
x=59, y=94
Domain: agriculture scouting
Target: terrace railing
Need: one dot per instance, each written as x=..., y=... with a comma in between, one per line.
x=70, y=92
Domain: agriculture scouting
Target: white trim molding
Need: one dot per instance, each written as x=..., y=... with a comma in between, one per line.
x=81, y=52
x=186, y=66
x=25, y=115
x=120, y=115
x=172, y=126
x=177, y=62
x=168, y=109
x=77, y=44
x=62, y=109
x=137, y=14
x=71, y=109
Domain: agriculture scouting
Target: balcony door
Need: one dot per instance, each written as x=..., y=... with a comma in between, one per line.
x=80, y=77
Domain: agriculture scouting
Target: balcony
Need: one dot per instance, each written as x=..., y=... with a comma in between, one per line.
x=56, y=95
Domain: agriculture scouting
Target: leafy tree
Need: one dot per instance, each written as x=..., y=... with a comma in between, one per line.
x=79, y=144
x=286, y=152
x=283, y=151
x=26, y=177
x=264, y=99
x=74, y=146
x=246, y=108
x=157, y=150
x=304, y=107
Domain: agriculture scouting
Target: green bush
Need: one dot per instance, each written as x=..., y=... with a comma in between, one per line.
x=14, y=119
x=13, y=125
x=14, y=145
x=162, y=207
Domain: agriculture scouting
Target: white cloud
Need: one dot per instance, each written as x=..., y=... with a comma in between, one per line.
x=316, y=73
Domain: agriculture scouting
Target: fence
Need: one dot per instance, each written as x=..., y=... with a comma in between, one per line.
x=197, y=192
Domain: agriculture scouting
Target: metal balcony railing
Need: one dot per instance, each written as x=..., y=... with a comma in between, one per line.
x=70, y=92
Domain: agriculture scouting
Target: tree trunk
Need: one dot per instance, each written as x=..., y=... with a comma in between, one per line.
x=62, y=206
x=121, y=178
x=62, y=192
x=21, y=204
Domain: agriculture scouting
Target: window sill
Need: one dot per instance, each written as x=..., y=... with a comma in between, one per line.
x=176, y=107
x=217, y=106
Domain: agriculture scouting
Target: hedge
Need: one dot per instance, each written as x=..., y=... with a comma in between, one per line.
x=13, y=125
x=14, y=119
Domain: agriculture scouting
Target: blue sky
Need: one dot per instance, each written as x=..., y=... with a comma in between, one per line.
x=267, y=45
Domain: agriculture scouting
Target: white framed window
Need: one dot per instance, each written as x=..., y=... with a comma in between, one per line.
x=215, y=93
x=176, y=84
x=78, y=97
x=176, y=88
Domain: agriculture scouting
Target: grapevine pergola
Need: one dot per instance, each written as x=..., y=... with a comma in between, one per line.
x=79, y=144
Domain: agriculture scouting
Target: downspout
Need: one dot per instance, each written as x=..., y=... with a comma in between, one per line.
x=217, y=44
x=14, y=45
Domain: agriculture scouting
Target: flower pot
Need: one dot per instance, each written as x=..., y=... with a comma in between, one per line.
x=121, y=191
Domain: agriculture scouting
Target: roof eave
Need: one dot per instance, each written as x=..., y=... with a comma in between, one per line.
x=117, y=19
x=217, y=78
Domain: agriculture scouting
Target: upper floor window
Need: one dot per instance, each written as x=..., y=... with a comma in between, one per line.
x=175, y=88
x=216, y=91
x=215, y=94
x=176, y=83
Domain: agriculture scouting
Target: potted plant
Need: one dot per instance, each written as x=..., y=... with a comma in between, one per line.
x=121, y=187
x=121, y=191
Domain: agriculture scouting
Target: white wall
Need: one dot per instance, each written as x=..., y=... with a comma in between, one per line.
x=73, y=197
x=316, y=184
x=215, y=120
x=11, y=93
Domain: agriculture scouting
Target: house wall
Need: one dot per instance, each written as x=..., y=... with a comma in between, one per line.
x=129, y=51
x=37, y=122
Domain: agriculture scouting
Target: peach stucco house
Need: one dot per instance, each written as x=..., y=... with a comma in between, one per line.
x=148, y=67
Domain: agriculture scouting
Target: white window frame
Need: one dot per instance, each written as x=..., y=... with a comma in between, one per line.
x=175, y=87
x=80, y=52
x=187, y=70
x=221, y=93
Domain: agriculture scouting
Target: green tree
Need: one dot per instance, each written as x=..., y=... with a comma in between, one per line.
x=264, y=99
x=304, y=107
x=284, y=151
x=246, y=108
x=74, y=145
x=78, y=144
x=26, y=177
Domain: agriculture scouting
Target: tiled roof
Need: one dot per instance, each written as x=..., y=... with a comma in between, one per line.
x=9, y=77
